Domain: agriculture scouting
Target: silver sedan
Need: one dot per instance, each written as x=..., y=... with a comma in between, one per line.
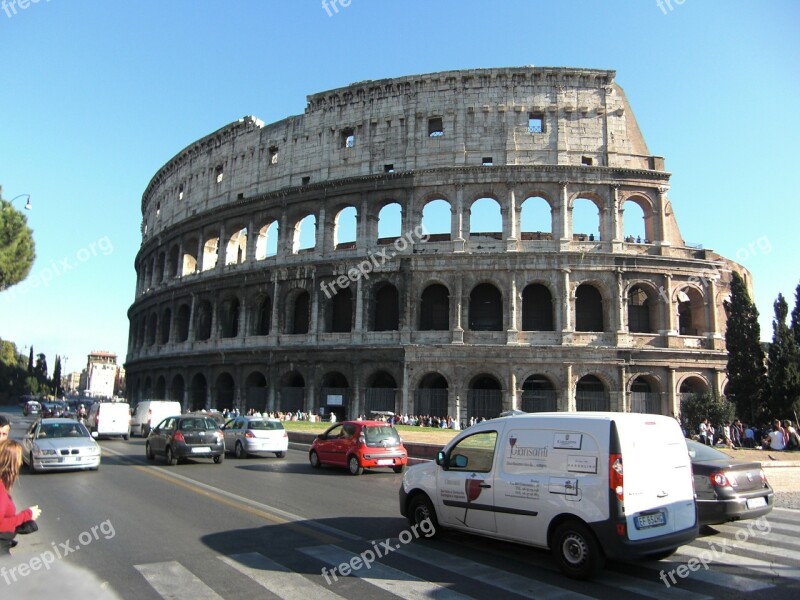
x=59, y=445
x=255, y=435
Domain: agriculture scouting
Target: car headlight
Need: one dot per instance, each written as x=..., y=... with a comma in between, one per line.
x=46, y=452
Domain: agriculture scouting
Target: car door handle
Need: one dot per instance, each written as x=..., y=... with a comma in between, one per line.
x=485, y=485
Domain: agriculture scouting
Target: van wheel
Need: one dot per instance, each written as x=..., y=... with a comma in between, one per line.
x=171, y=458
x=420, y=510
x=238, y=450
x=354, y=466
x=313, y=458
x=125, y=437
x=661, y=555
x=219, y=458
x=280, y=454
x=576, y=551
x=148, y=452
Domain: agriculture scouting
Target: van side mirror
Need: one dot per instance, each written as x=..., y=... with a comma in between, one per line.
x=441, y=459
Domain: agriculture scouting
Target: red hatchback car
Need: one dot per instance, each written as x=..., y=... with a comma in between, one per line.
x=358, y=445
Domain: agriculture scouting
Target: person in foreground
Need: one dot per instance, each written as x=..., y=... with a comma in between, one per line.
x=10, y=519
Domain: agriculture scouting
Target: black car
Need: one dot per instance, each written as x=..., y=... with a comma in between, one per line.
x=184, y=436
x=727, y=489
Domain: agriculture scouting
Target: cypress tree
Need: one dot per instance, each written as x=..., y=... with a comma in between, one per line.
x=784, y=365
x=747, y=374
x=796, y=316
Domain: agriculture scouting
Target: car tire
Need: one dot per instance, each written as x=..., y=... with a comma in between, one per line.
x=420, y=509
x=31, y=467
x=170, y=456
x=148, y=452
x=219, y=458
x=238, y=450
x=126, y=436
x=280, y=454
x=313, y=458
x=399, y=469
x=354, y=466
x=576, y=550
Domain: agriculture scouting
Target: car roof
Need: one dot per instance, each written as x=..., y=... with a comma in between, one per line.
x=365, y=422
x=53, y=420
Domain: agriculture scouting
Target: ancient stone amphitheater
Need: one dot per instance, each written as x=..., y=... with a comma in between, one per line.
x=300, y=265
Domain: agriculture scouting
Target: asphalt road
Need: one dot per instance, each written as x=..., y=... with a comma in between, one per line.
x=266, y=527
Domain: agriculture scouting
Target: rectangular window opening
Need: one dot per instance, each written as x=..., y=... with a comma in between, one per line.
x=180, y=192
x=535, y=123
x=348, y=138
x=306, y=180
x=273, y=155
x=388, y=168
x=435, y=127
x=487, y=161
x=218, y=173
x=586, y=161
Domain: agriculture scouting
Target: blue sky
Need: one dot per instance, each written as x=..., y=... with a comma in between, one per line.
x=96, y=96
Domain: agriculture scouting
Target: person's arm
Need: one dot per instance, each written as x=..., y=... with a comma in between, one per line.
x=9, y=518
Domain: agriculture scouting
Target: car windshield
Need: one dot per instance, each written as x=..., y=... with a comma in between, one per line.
x=377, y=434
x=265, y=425
x=700, y=452
x=198, y=424
x=62, y=430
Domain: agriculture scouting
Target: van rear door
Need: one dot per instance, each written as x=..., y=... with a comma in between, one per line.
x=658, y=494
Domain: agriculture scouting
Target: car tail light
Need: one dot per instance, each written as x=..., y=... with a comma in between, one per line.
x=763, y=476
x=220, y=436
x=249, y=434
x=615, y=479
x=718, y=479
x=149, y=416
x=178, y=437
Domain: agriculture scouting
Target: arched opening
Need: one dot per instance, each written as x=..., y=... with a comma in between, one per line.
x=182, y=323
x=431, y=395
x=640, y=311
x=434, y=310
x=263, y=317
x=226, y=391
x=176, y=390
x=152, y=327
x=588, y=308
x=161, y=264
x=148, y=387
x=691, y=312
x=486, y=219
x=267, y=241
x=203, y=320
x=198, y=392
x=161, y=387
x=300, y=314
x=257, y=393
x=173, y=268
x=691, y=386
x=305, y=234
x=236, y=250
x=386, y=308
x=436, y=220
x=633, y=220
x=537, y=308
x=644, y=396
x=485, y=308
x=485, y=398
x=390, y=223
x=380, y=395
x=539, y=395
x=210, y=253
x=335, y=395
x=189, y=259
x=339, y=312
x=536, y=219
x=166, y=326
x=591, y=394
x=585, y=220
x=345, y=229
x=229, y=317
x=293, y=393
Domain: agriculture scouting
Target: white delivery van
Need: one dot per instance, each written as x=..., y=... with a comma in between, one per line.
x=110, y=419
x=149, y=413
x=589, y=486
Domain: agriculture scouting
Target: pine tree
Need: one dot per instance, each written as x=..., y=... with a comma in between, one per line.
x=30, y=361
x=57, y=377
x=747, y=374
x=796, y=316
x=784, y=365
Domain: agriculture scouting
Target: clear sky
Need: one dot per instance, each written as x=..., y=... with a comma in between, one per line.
x=97, y=95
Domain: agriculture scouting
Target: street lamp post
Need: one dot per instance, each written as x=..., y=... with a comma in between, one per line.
x=28, y=205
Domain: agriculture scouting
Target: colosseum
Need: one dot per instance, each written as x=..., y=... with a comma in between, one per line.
x=410, y=245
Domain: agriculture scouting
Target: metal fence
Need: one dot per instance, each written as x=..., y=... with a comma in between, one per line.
x=592, y=401
x=379, y=399
x=646, y=402
x=292, y=399
x=484, y=403
x=539, y=401
x=431, y=402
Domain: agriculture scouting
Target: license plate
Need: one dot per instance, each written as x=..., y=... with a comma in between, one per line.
x=385, y=461
x=72, y=459
x=652, y=520
x=756, y=502
x=201, y=450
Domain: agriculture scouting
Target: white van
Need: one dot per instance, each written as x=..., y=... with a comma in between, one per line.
x=110, y=419
x=556, y=480
x=149, y=413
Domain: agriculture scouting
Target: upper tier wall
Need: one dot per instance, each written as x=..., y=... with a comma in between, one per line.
x=484, y=113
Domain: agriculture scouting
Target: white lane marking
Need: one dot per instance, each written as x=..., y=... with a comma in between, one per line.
x=175, y=582
x=276, y=578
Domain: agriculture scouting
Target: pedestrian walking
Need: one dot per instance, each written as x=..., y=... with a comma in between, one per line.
x=10, y=520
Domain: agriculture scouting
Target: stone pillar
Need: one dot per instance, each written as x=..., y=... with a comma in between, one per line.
x=252, y=241
x=324, y=237
x=313, y=324
x=672, y=396
x=192, y=315
x=244, y=319
x=285, y=237
x=565, y=214
x=512, y=334
x=222, y=248
x=621, y=302
x=511, y=218
x=670, y=310
x=568, y=402
x=566, y=304
x=358, y=329
x=274, y=321
x=458, y=330
x=512, y=392
x=201, y=245
x=711, y=309
x=405, y=392
x=661, y=217
x=457, y=220
x=617, y=216
x=355, y=405
x=623, y=396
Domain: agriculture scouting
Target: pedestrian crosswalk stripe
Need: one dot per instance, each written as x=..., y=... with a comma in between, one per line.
x=175, y=582
x=726, y=580
x=754, y=564
x=492, y=576
x=278, y=579
x=386, y=578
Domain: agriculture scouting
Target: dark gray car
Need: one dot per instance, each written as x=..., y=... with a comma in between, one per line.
x=185, y=436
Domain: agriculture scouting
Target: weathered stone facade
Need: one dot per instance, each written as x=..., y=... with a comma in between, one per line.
x=460, y=322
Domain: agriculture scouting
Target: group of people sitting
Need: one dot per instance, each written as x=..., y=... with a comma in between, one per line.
x=781, y=435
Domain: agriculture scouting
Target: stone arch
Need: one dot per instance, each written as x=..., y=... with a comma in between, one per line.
x=262, y=321
x=160, y=390
x=292, y=392
x=486, y=218
x=589, y=308
x=390, y=222
x=210, y=251
x=339, y=312
x=236, y=246
x=384, y=307
x=198, y=392
x=267, y=240
x=431, y=395
x=189, y=260
x=166, y=326
x=539, y=394
x=642, y=308
x=434, y=312
x=203, y=320
x=173, y=265
x=177, y=389
x=345, y=228
x=335, y=394
x=225, y=388
x=304, y=236
x=645, y=393
x=691, y=384
x=298, y=312
x=485, y=308
x=152, y=328
x=182, y=322
x=435, y=219
x=538, y=309
x=536, y=218
x=380, y=393
x=691, y=306
x=256, y=392
x=643, y=224
x=229, y=317
x=591, y=394
x=586, y=224
x=484, y=397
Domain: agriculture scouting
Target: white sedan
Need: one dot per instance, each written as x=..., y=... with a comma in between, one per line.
x=255, y=435
x=58, y=445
